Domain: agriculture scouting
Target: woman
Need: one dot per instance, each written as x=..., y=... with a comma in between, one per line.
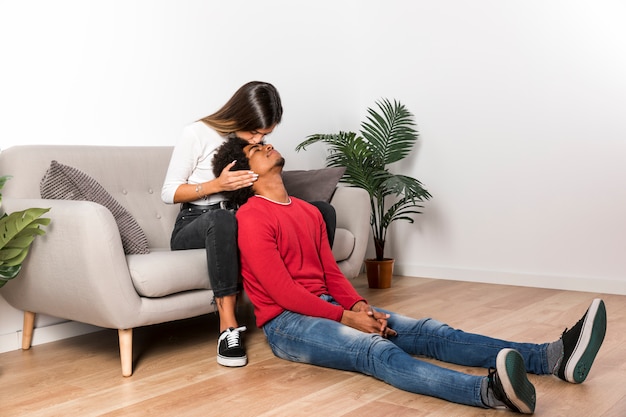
x=207, y=219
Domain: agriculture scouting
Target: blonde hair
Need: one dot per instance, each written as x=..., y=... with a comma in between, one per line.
x=255, y=105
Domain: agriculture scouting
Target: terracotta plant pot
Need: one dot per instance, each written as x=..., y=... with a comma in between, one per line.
x=379, y=273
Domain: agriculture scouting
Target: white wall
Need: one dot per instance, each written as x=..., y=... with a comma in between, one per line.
x=519, y=106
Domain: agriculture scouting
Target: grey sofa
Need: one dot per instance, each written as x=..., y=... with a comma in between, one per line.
x=79, y=271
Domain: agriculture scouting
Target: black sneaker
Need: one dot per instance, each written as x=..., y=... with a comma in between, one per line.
x=581, y=344
x=509, y=383
x=230, y=350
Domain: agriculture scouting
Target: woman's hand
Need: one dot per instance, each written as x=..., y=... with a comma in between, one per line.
x=234, y=180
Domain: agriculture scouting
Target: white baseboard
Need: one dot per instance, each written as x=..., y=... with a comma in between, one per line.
x=59, y=331
x=586, y=284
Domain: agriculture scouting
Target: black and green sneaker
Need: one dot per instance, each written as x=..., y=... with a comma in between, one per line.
x=509, y=382
x=581, y=344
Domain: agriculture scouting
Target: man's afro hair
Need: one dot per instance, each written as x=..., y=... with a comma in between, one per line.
x=232, y=150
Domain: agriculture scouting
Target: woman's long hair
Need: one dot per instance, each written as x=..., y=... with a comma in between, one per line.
x=256, y=105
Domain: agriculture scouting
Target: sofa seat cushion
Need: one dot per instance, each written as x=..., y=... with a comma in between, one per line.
x=163, y=272
x=343, y=244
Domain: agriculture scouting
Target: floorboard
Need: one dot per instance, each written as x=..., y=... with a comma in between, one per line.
x=176, y=374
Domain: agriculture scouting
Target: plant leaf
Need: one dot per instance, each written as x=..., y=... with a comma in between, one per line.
x=390, y=131
x=7, y=273
x=14, y=223
x=17, y=232
x=387, y=135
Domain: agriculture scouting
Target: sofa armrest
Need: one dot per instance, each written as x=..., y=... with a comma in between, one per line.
x=77, y=270
x=353, y=213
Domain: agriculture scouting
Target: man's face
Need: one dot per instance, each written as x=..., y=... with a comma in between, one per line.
x=263, y=157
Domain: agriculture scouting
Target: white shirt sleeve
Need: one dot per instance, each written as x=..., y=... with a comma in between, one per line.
x=191, y=161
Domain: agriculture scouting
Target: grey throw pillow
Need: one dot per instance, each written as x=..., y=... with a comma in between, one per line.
x=313, y=185
x=62, y=182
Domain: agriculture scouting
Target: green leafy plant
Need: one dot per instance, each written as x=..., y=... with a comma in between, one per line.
x=17, y=232
x=386, y=136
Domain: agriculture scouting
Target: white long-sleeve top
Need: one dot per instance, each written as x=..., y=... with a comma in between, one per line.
x=191, y=162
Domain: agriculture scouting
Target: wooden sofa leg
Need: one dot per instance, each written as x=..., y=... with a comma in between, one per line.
x=126, y=351
x=27, y=329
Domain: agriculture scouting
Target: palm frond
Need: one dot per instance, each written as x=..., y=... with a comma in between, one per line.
x=387, y=135
x=410, y=188
x=390, y=131
x=402, y=210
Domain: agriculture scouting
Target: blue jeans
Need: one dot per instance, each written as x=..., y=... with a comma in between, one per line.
x=215, y=230
x=331, y=344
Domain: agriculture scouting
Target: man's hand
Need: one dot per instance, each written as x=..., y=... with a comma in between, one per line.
x=365, y=318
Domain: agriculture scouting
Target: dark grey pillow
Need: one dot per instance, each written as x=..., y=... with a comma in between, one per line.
x=62, y=182
x=313, y=185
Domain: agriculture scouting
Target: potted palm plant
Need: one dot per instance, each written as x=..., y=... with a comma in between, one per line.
x=17, y=232
x=387, y=135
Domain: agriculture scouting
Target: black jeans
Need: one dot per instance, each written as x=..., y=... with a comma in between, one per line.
x=330, y=218
x=215, y=229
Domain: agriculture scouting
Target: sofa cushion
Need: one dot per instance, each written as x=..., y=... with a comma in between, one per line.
x=63, y=182
x=164, y=272
x=343, y=245
x=313, y=185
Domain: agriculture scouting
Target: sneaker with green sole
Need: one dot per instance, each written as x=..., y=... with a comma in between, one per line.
x=509, y=382
x=581, y=344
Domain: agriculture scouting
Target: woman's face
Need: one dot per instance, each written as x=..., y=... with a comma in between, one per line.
x=255, y=136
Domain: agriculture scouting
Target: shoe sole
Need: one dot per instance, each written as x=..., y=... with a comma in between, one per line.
x=512, y=374
x=588, y=344
x=232, y=362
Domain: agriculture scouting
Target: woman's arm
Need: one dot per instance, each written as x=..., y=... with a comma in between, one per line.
x=190, y=173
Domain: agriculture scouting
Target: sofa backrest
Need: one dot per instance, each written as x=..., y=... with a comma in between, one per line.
x=133, y=175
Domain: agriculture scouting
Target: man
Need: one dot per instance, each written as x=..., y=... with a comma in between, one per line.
x=310, y=312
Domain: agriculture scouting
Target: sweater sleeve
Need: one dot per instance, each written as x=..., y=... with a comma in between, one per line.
x=339, y=287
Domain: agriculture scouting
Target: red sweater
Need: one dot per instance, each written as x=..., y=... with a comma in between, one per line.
x=287, y=262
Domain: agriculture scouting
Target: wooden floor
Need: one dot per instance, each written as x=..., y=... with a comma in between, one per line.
x=175, y=372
